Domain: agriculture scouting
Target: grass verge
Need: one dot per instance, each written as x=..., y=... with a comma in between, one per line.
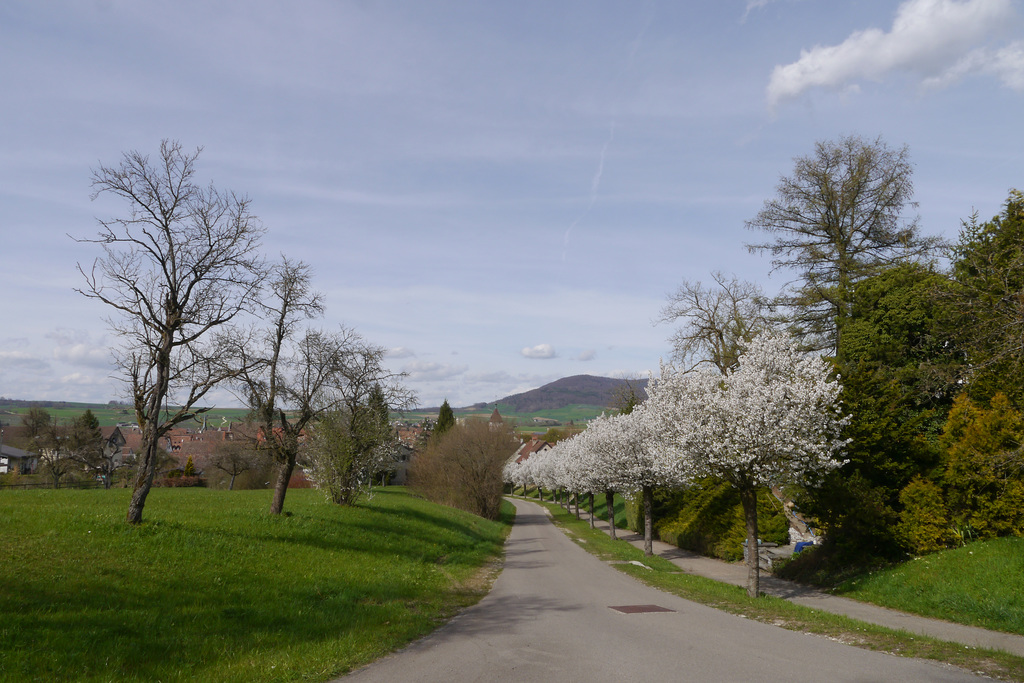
x=212, y=588
x=600, y=504
x=981, y=584
x=666, y=576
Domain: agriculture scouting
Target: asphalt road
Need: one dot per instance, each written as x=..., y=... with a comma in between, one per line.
x=550, y=617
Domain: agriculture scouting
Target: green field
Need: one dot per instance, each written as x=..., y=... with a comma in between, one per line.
x=981, y=584
x=109, y=415
x=212, y=588
x=578, y=414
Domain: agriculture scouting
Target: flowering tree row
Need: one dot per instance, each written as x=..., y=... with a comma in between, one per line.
x=772, y=420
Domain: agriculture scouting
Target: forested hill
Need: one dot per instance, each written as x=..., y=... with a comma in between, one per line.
x=576, y=390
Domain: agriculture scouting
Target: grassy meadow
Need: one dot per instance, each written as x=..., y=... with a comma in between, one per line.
x=110, y=415
x=579, y=414
x=981, y=584
x=212, y=588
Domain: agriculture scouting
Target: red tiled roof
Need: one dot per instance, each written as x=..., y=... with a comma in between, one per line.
x=530, y=447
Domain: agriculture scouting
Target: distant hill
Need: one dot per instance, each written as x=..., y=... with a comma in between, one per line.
x=576, y=390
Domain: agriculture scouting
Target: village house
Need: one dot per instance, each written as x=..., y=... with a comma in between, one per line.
x=528, y=448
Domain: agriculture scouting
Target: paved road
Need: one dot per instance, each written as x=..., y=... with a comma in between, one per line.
x=736, y=574
x=550, y=617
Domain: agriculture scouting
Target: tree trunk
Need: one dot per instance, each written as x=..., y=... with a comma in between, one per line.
x=143, y=482
x=648, y=494
x=231, y=486
x=284, y=475
x=591, y=496
x=749, y=497
x=609, y=501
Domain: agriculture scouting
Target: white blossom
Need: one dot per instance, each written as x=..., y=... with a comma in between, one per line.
x=775, y=419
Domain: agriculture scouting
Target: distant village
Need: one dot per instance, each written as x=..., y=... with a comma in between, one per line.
x=215, y=454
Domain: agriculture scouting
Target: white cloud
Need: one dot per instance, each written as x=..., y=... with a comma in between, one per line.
x=23, y=361
x=753, y=5
x=78, y=379
x=931, y=38
x=423, y=371
x=400, y=352
x=586, y=355
x=542, y=351
x=500, y=377
x=76, y=348
x=83, y=354
x=1006, y=64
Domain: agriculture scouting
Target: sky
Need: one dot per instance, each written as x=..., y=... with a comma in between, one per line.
x=499, y=193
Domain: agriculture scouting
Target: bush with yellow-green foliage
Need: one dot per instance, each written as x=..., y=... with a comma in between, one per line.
x=924, y=521
x=707, y=518
x=984, y=474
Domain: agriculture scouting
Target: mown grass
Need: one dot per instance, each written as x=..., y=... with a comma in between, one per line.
x=212, y=588
x=981, y=584
x=662, y=574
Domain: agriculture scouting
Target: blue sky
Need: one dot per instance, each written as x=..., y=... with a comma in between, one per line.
x=500, y=193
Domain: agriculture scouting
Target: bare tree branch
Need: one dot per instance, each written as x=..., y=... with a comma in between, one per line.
x=717, y=321
x=182, y=264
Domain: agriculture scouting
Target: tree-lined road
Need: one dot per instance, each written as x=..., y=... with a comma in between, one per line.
x=550, y=617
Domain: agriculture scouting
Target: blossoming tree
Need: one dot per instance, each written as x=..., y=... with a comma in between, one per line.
x=774, y=419
x=637, y=463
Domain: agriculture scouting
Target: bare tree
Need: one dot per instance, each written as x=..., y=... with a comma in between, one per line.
x=350, y=446
x=285, y=377
x=84, y=445
x=178, y=268
x=837, y=220
x=357, y=441
x=627, y=395
x=37, y=423
x=292, y=377
x=53, y=454
x=464, y=467
x=717, y=321
x=234, y=458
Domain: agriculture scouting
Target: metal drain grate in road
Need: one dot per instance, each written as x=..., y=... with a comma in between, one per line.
x=639, y=609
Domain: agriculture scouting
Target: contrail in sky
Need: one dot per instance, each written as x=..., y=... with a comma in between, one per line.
x=595, y=183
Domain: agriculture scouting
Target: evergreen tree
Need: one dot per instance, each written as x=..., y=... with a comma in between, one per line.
x=899, y=375
x=984, y=473
x=988, y=267
x=445, y=419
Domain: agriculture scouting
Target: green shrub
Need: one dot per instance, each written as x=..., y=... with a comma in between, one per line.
x=924, y=522
x=984, y=487
x=707, y=518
